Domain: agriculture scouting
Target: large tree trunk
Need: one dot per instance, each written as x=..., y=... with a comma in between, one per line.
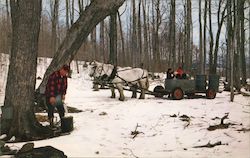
x=242, y=41
x=157, y=60
x=205, y=35
x=134, y=35
x=188, y=59
x=172, y=35
x=237, y=44
x=93, y=14
x=211, y=42
x=113, y=39
x=230, y=46
x=146, y=40
x=202, y=71
x=19, y=95
x=139, y=37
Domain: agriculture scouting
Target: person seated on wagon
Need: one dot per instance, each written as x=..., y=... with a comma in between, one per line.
x=179, y=72
x=170, y=73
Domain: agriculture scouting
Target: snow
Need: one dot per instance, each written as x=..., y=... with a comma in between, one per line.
x=98, y=135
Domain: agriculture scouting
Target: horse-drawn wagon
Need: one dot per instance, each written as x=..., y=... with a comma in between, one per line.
x=137, y=79
x=177, y=88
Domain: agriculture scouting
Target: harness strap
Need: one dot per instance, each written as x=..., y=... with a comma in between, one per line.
x=113, y=74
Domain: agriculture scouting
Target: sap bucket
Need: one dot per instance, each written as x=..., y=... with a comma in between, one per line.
x=67, y=124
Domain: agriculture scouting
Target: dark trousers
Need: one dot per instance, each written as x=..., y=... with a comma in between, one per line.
x=51, y=109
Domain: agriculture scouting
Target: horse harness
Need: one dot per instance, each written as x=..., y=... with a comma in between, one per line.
x=114, y=74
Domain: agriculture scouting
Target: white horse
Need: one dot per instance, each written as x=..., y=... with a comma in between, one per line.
x=119, y=77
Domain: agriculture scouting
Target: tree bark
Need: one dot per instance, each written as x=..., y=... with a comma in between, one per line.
x=205, y=35
x=134, y=35
x=79, y=31
x=188, y=60
x=139, y=37
x=211, y=42
x=172, y=35
x=19, y=95
x=113, y=39
x=102, y=46
x=54, y=31
x=145, y=32
x=123, y=60
x=242, y=41
x=202, y=71
x=229, y=47
x=156, y=50
x=67, y=14
x=236, y=45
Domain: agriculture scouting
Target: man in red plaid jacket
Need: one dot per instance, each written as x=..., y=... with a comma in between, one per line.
x=55, y=92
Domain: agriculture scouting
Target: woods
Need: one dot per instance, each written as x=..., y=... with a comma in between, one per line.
x=154, y=34
x=149, y=31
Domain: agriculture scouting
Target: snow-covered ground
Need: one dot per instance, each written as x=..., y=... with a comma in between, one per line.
x=104, y=127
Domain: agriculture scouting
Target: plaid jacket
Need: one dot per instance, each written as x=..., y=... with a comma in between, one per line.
x=56, y=85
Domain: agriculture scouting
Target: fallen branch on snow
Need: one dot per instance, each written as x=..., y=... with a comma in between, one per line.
x=209, y=145
x=135, y=132
x=244, y=130
x=222, y=125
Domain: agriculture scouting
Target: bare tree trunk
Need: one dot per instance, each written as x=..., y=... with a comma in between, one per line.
x=72, y=12
x=220, y=20
x=102, y=46
x=67, y=14
x=211, y=42
x=158, y=23
x=205, y=35
x=79, y=31
x=25, y=17
x=113, y=39
x=54, y=20
x=123, y=62
x=236, y=45
x=145, y=32
x=172, y=35
x=8, y=26
x=229, y=47
x=188, y=62
x=202, y=71
x=134, y=35
x=139, y=36
x=242, y=41
x=153, y=38
x=80, y=5
x=249, y=37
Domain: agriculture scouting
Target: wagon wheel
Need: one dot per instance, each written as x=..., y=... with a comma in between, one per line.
x=177, y=93
x=158, y=90
x=210, y=94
